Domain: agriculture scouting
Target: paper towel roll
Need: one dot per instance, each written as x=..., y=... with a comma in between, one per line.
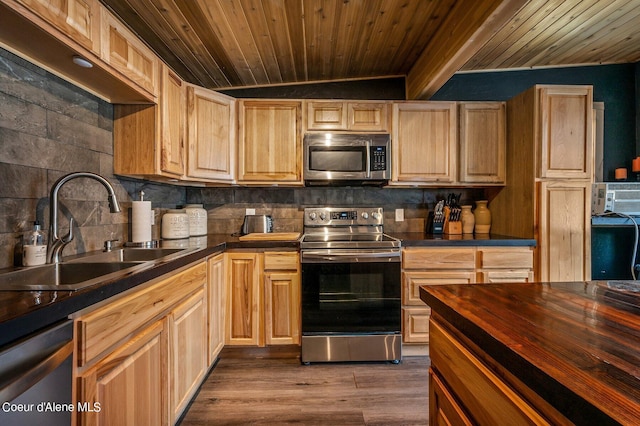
x=141, y=221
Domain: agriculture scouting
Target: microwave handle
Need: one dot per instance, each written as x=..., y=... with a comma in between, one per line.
x=368, y=144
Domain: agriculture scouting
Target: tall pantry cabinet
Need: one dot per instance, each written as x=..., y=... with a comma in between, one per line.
x=550, y=155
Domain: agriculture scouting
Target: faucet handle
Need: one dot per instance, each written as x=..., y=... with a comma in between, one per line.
x=108, y=244
x=69, y=237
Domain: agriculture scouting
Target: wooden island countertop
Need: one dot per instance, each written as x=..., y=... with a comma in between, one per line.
x=576, y=345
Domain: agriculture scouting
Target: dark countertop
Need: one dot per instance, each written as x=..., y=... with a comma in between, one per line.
x=23, y=312
x=576, y=344
x=419, y=239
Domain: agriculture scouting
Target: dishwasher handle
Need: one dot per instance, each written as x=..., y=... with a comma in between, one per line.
x=22, y=380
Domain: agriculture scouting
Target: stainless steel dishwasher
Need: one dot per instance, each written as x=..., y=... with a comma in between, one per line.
x=36, y=378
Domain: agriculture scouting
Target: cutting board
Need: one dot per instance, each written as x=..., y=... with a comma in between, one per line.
x=270, y=236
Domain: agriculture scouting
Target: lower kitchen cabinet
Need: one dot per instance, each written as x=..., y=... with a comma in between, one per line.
x=216, y=291
x=454, y=265
x=140, y=356
x=263, y=298
x=188, y=351
x=127, y=387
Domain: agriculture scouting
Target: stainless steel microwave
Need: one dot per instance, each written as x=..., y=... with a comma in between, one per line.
x=346, y=158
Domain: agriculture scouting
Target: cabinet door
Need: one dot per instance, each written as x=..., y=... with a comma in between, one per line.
x=368, y=116
x=270, y=142
x=415, y=324
x=482, y=142
x=566, y=131
x=211, y=123
x=188, y=351
x=326, y=115
x=282, y=308
x=243, y=311
x=172, y=107
x=78, y=19
x=125, y=52
x=414, y=279
x=129, y=384
x=424, y=142
x=564, y=240
x=507, y=276
x=216, y=306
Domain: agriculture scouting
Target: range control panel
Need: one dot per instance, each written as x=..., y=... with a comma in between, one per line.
x=339, y=216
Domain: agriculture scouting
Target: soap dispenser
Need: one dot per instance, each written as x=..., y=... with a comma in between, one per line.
x=34, y=248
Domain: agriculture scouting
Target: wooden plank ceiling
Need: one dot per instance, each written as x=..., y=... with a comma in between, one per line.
x=243, y=43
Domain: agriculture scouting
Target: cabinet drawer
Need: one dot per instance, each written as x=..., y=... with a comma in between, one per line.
x=440, y=258
x=477, y=388
x=415, y=324
x=506, y=258
x=510, y=276
x=281, y=261
x=99, y=330
x=412, y=280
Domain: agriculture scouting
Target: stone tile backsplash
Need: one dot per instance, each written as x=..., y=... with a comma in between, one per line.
x=49, y=127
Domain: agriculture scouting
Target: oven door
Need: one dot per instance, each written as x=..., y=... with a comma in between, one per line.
x=351, y=292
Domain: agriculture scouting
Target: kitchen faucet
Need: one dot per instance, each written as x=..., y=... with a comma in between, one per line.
x=56, y=243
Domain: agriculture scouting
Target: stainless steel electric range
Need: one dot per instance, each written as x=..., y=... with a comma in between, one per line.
x=351, y=286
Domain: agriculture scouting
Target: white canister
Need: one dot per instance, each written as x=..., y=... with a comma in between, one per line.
x=175, y=225
x=197, y=219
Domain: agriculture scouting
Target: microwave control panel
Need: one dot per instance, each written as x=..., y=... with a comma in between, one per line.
x=378, y=158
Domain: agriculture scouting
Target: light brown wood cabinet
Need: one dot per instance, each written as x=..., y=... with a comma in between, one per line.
x=454, y=265
x=263, y=298
x=505, y=264
x=142, y=354
x=188, y=351
x=270, y=142
x=127, y=386
x=78, y=19
x=430, y=266
x=211, y=135
x=124, y=51
x=216, y=293
x=482, y=142
x=549, y=169
x=361, y=116
x=148, y=140
x=424, y=143
x=281, y=298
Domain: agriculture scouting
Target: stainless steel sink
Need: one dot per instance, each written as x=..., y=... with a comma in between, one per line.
x=65, y=276
x=132, y=255
x=88, y=269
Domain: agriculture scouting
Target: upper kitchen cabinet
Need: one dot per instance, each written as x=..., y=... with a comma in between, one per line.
x=125, y=52
x=270, y=142
x=424, y=143
x=78, y=19
x=361, y=116
x=149, y=139
x=566, y=139
x=482, y=136
x=55, y=34
x=211, y=135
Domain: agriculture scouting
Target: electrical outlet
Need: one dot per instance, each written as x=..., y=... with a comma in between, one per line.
x=250, y=212
x=399, y=215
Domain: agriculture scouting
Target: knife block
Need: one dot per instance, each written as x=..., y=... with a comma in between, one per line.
x=433, y=227
x=453, y=228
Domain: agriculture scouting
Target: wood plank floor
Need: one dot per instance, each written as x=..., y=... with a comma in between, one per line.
x=271, y=386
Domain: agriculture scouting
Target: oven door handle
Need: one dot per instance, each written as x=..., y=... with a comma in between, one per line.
x=23, y=380
x=351, y=257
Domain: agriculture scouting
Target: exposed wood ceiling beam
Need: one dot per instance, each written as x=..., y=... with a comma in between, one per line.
x=466, y=29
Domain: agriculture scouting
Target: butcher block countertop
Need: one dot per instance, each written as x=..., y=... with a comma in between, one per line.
x=575, y=344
